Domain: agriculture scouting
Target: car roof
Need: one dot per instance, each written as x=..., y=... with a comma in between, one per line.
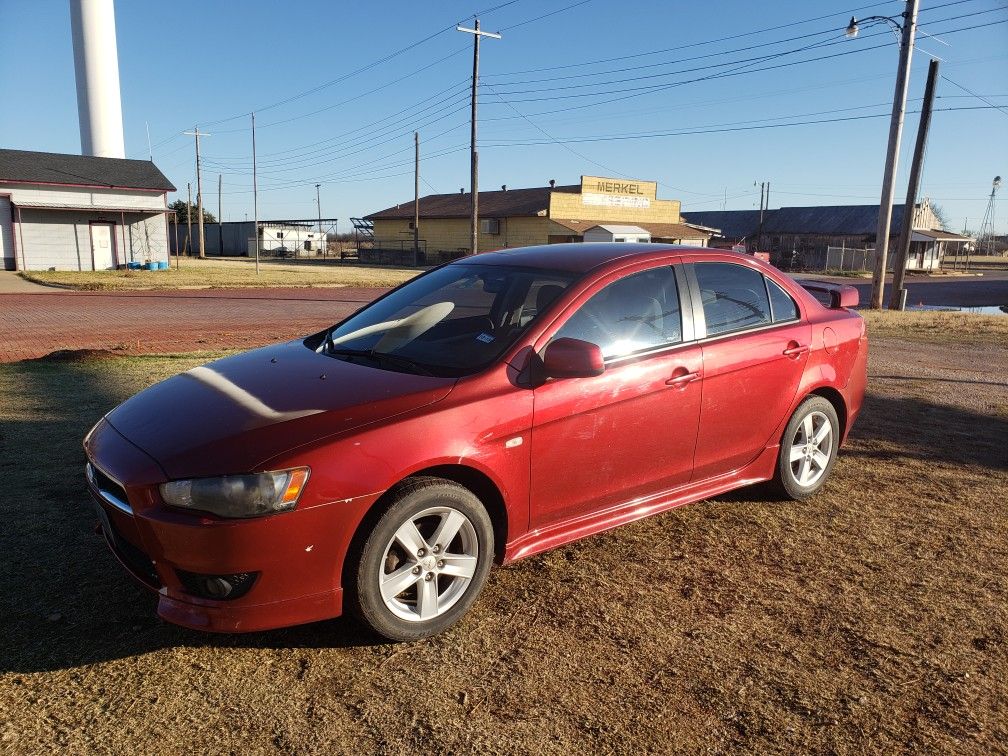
x=579, y=257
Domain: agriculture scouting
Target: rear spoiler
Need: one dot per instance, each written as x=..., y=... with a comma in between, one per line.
x=839, y=296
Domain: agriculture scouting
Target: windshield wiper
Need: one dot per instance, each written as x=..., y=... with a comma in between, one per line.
x=379, y=357
x=403, y=362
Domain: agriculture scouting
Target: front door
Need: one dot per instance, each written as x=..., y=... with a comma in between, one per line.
x=630, y=432
x=103, y=246
x=6, y=236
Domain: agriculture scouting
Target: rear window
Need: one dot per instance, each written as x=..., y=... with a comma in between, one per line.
x=734, y=297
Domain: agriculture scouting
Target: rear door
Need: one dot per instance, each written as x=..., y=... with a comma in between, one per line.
x=755, y=349
x=630, y=432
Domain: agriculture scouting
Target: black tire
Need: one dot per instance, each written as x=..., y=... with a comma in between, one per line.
x=787, y=480
x=380, y=555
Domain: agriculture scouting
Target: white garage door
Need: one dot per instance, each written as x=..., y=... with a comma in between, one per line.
x=6, y=235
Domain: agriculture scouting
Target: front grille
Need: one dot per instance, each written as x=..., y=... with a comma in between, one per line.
x=110, y=490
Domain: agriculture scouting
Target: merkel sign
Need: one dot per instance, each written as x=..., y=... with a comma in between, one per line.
x=599, y=191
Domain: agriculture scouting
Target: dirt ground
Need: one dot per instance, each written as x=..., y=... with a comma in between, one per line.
x=872, y=618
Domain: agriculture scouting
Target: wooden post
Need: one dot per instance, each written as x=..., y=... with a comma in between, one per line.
x=913, y=186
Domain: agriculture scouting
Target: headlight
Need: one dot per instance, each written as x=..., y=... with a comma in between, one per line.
x=238, y=495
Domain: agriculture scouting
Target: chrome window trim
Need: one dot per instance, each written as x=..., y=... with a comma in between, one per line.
x=744, y=331
x=114, y=501
x=649, y=352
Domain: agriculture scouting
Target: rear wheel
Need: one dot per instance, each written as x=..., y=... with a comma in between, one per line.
x=425, y=562
x=808, y=448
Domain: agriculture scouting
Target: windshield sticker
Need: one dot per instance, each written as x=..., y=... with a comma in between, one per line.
x=486, y=338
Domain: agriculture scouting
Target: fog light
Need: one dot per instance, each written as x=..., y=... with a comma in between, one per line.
x=217, y=587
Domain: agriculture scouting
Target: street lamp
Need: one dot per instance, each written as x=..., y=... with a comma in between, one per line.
x=907, y=29
x=854, y=27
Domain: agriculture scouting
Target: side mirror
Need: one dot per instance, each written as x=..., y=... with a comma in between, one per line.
x=572, y=358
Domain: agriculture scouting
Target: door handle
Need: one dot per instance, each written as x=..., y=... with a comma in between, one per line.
x=795, y=351
x=684, y=379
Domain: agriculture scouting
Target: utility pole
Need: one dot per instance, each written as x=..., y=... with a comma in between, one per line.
x=220, y=215
x=759, y=233
x=897, y=297
x=909, y=30
x=188, y=217
x=199, y=190
x=318, y=201
x=416, y=198
x=473, y=154
x=255, y=197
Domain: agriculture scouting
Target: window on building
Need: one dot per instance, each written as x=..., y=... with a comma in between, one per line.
x=734, y=297
x=635, y=313
x=490, y=226
x=782, y=307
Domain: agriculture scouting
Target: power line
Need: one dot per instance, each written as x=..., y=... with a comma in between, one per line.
x=971, y=92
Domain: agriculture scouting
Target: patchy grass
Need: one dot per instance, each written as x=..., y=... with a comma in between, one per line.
x=872, y=618
x=225, y=274
x=936, y=327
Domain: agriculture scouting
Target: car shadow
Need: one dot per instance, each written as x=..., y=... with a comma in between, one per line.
x=64, y=599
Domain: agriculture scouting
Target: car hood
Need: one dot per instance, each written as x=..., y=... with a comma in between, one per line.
x=235, y=414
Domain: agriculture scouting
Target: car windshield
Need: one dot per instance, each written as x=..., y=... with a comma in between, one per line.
x=451, y=322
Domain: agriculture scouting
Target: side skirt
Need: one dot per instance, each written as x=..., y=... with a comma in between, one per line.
x=575, y=528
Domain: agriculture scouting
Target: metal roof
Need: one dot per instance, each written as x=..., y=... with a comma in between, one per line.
x=657, y=230
x=91, y=208
x=826, y=220
x=732, y=224
x=29, y=167
x=620, y=229
x=499, y=204
x=829, y=220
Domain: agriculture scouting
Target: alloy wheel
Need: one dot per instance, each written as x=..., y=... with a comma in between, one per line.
x=428, y=564
x=811, y=449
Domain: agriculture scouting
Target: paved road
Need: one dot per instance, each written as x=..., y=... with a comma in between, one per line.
x=35, y=324
x=988, y=290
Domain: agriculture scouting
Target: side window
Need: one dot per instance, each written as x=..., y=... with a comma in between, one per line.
x=635, y=313
x=734, y=297
x=781, y=305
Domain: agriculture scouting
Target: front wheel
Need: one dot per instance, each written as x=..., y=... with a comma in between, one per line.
x=425, y=561
x=808, y=448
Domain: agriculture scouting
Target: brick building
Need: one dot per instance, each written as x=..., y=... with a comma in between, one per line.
x=522, y=217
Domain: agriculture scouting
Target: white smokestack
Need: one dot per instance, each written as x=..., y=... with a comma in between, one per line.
x=96, y=63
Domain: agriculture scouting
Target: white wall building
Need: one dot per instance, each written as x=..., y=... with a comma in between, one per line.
x=613, y=233
x=74, y=212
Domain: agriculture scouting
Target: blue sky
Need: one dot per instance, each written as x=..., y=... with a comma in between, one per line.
x=593, y=88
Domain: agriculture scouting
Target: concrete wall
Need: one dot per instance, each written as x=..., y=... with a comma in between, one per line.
x=61, y=239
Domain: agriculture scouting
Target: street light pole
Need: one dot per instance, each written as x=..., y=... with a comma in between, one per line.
x=473, y=154
x=908, y=31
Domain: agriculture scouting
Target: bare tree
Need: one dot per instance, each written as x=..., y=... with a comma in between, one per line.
x=941, y=215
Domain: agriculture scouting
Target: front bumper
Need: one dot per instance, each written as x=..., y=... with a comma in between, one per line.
x=298, y=554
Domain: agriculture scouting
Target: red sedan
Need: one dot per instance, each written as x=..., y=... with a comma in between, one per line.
x=485, y=411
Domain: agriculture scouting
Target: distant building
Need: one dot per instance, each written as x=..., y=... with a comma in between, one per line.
x=237, y=238
x=522, y=217
x=818, y=232
x=74, y=212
